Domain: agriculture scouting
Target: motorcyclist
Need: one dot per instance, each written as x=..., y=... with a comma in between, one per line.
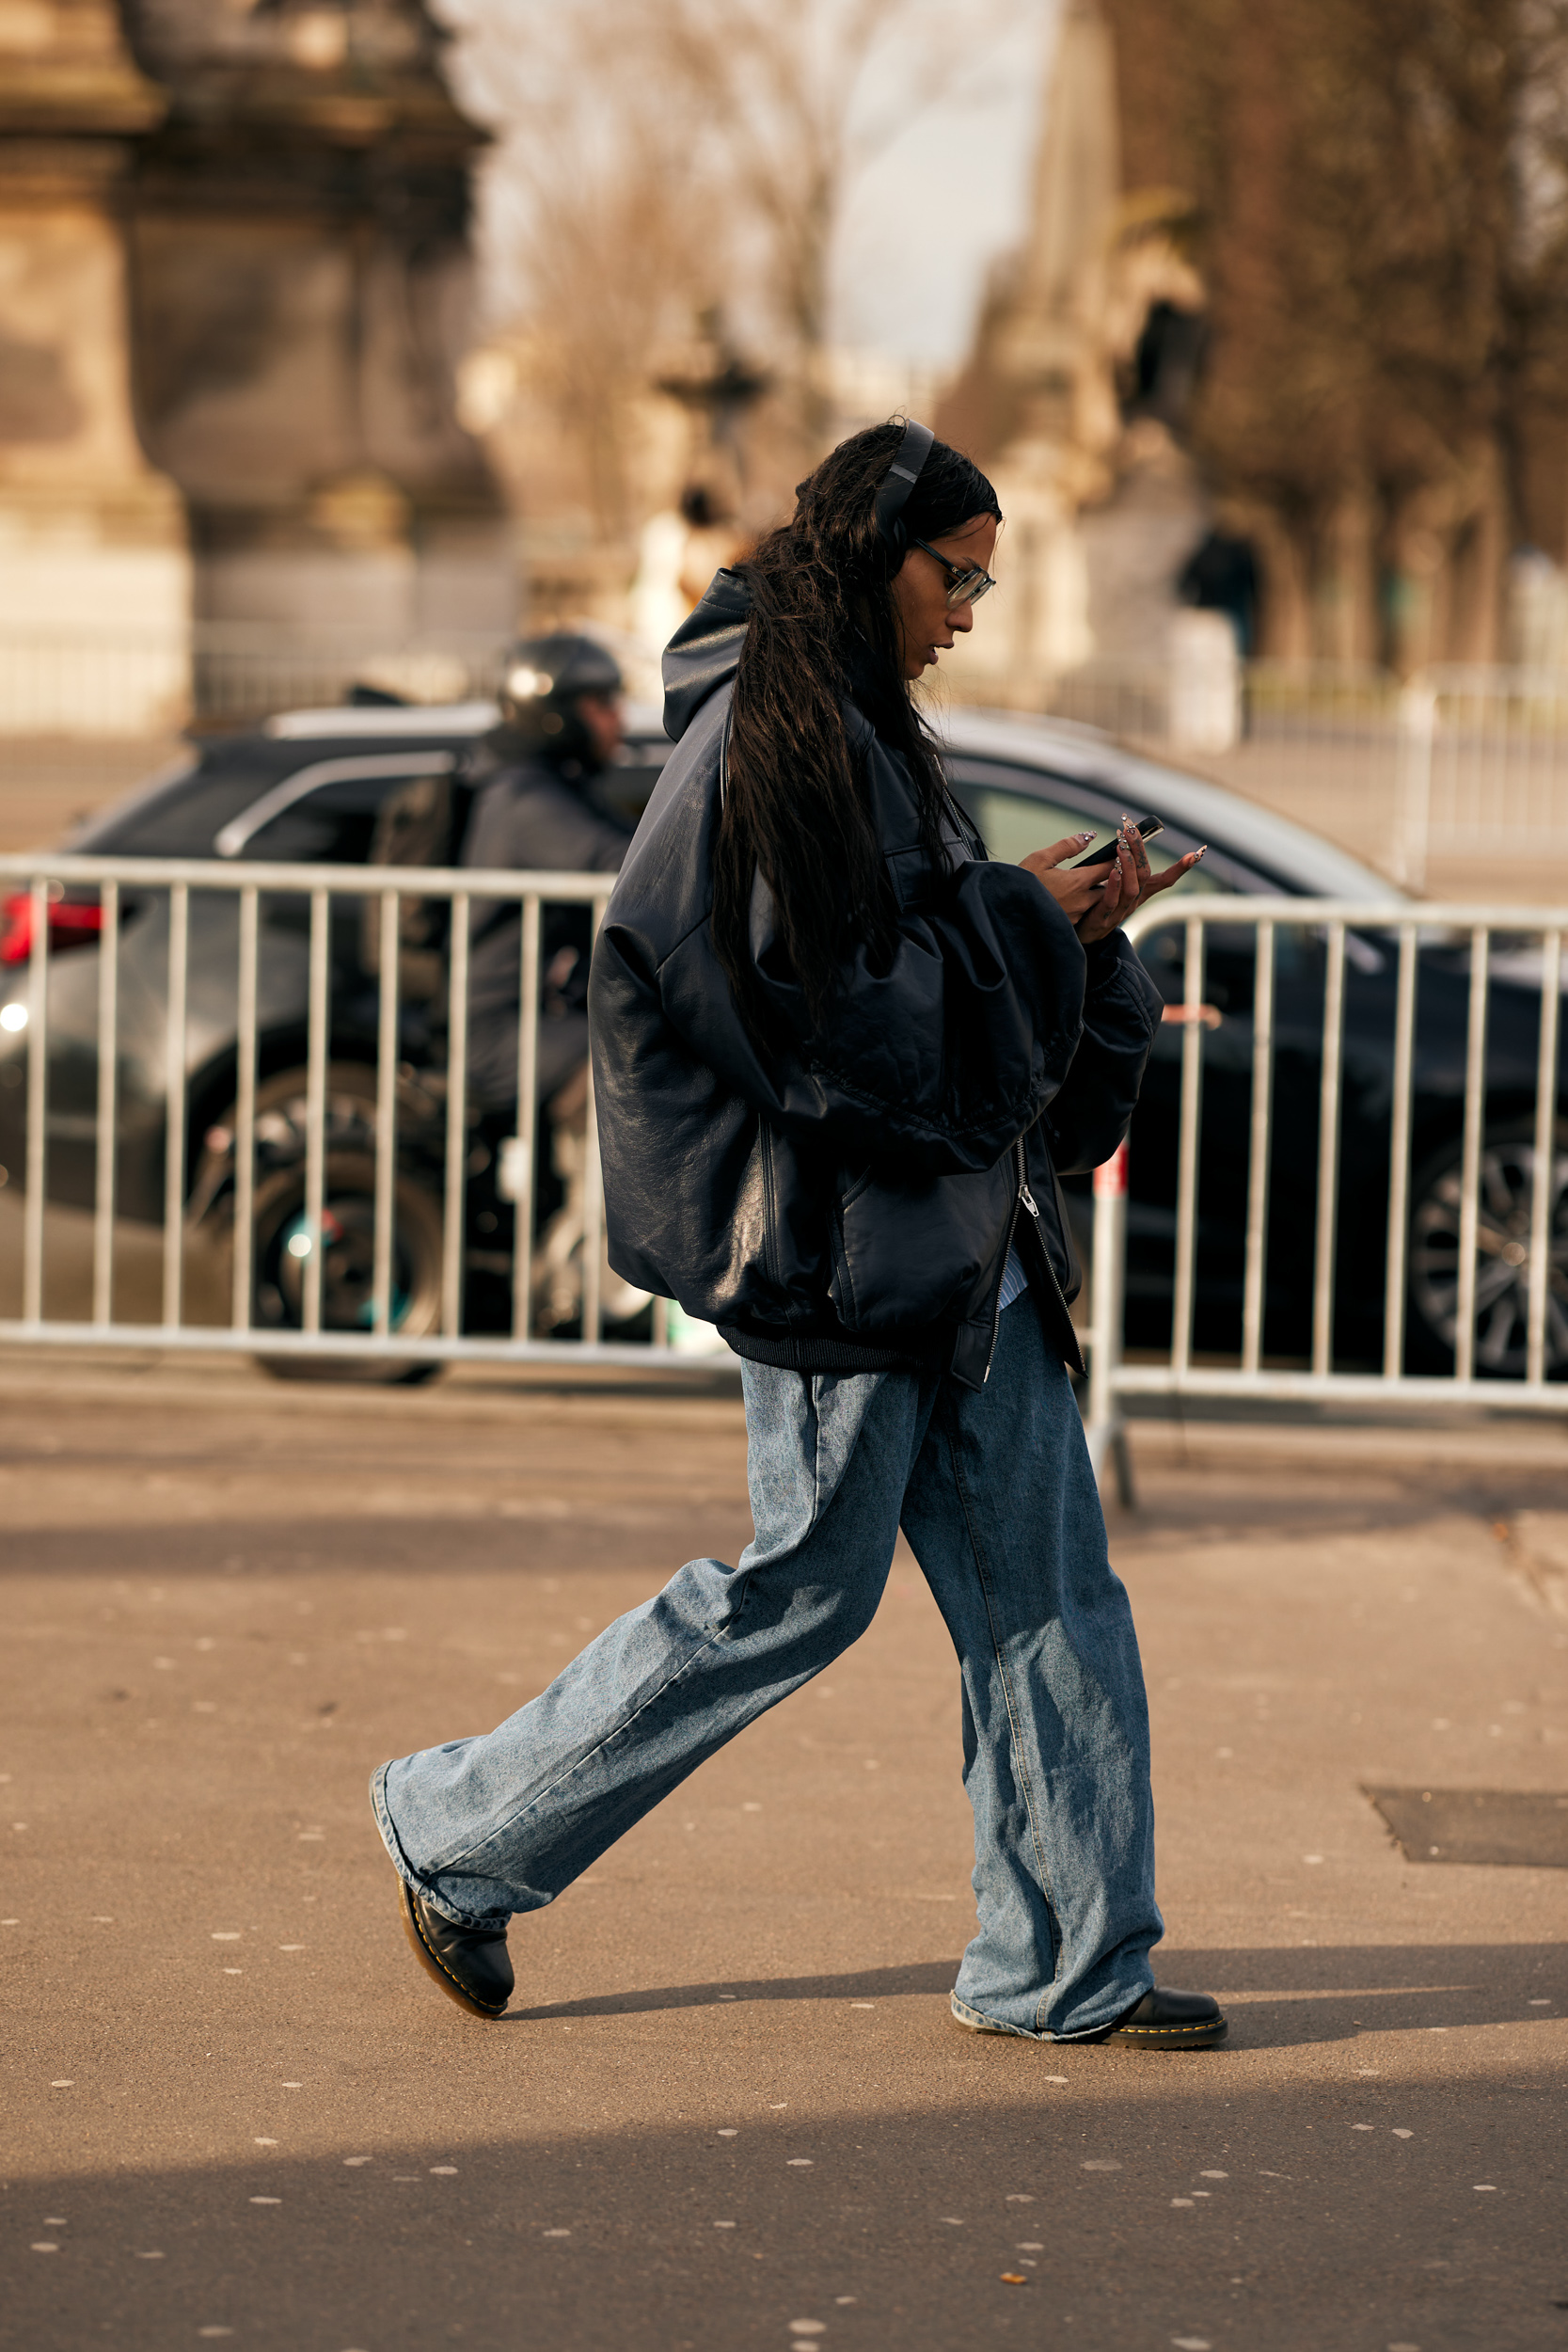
x=559, y=727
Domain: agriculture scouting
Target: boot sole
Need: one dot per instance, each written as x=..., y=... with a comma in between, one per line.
x=434, y=1965
x=1206, y=2035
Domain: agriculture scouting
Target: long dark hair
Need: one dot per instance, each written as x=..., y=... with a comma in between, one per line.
x=797, y=808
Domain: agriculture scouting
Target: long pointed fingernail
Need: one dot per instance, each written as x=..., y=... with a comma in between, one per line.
x=1082, y=836
x=1198, y=854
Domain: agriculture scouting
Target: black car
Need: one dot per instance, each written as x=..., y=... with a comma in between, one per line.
x=322, y=787
x=1028, y=782
x=342, y=786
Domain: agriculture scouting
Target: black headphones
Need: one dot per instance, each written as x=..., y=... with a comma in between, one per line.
x=899, y=480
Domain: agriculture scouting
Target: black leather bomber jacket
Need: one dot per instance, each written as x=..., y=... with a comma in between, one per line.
x=848, y=1205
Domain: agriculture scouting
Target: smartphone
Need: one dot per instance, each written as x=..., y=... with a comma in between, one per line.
x=1147, y=827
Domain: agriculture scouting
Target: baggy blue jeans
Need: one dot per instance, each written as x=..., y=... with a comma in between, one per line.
x=996, y=1494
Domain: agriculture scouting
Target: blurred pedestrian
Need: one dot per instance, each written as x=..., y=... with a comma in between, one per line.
x=839, y=1059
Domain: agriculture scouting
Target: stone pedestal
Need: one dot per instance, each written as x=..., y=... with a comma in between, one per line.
x=95, y=575
x=300, y=275
x=233, y=289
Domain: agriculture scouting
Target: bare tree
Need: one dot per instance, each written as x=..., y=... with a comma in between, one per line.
x=612, y=264
x=782, y=83
x=605, y=235
x=1381, y=188
x=668, y=157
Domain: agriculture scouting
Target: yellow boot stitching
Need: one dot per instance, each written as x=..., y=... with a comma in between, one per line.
x=485, y=2007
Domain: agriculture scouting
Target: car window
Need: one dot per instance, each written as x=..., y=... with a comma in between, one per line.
x=1281, y=853
x=1014, y=823
x=177, y=818
x=334, y=825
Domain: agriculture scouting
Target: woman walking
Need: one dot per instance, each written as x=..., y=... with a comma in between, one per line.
x=840, y=1059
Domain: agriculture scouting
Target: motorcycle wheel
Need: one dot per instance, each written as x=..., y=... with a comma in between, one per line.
x=283, y=1245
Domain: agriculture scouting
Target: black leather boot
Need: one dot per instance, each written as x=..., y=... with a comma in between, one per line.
x=471, y=1967
x=1164, y=2020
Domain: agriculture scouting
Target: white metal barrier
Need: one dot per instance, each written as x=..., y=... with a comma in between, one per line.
x=94, y=682
x=1539, y=1253
x=1458, y=762
x=117, y=892
x=53, y=1029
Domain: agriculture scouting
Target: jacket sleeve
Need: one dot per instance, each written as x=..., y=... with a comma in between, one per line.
x=938, y=1057
x=1088, y=1116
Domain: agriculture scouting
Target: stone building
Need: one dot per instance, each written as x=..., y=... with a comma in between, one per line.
x=1071, y=397
x=234, y=288
x=1252, y=355
x=93, y=538
x=1382, y=415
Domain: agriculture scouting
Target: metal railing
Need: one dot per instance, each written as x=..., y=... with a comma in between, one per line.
x=1461, y=762
x=1340, y=927
x=52, y=1030
x=96, y=683
x=241, y=672
x=79, y=1075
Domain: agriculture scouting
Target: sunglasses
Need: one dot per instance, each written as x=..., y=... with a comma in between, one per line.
x=966, y=582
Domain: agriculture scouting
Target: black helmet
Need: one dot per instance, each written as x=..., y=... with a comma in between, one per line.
x=541, y=680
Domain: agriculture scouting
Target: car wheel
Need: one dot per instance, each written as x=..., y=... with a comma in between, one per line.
x=283, y=1245
x=1504, y=1211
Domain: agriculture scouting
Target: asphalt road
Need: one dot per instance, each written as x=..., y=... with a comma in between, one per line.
x=729, y=2108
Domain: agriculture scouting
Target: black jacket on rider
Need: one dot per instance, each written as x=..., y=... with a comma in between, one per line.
x=846, y=1203
x=531, y=815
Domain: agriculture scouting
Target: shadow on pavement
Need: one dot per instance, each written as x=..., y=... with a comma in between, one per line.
x=1343, y=2212
x=1277, y=1997
x=1284, y=1997
x=866, y=1984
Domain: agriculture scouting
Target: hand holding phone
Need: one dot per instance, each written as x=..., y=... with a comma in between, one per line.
x=1146, y=828
x=1118, y=879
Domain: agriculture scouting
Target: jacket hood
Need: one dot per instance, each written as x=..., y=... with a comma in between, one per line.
x=704, y=651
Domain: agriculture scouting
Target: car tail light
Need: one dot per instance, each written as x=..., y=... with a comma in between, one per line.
x=72, y=923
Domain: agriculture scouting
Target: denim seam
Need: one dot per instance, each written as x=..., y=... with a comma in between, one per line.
x=978, y=2022
x=402, y=1865
x=710, y=1640
x=1020, y=1764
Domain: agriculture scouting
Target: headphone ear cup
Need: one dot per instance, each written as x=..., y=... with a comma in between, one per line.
x=913, y=451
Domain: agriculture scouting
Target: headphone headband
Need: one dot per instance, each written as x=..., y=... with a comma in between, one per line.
x=899, y=480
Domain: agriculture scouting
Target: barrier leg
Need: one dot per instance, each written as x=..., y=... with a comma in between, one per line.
x=1104, y=1428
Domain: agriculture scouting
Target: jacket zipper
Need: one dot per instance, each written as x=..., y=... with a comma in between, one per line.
x=996, y=1298
x=1026, y=1201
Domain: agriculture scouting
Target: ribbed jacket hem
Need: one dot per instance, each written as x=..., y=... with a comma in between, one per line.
x=790, y=1351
